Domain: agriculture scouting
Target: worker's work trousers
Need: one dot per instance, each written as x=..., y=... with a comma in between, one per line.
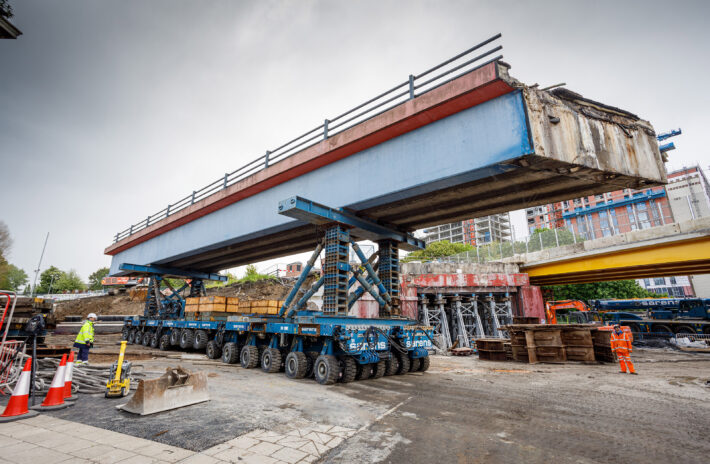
x=624, y=360
x=83, y=354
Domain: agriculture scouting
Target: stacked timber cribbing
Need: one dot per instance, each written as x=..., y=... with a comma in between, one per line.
x=533, y=343
x=491, y=349
x=602, y=345
x=219, y=308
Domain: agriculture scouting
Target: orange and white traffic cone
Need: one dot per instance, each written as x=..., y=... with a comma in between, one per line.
x=17, y=406
x=67, y=378
x=55, y=395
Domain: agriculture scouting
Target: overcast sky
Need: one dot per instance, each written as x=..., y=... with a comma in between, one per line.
x=110, y=110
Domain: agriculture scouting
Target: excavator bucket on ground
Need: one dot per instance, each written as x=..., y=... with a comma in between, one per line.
x=174, y=389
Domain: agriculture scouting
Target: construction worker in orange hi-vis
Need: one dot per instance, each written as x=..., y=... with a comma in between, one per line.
x=621, y=345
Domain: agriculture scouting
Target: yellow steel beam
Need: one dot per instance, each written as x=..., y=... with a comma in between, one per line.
x=679, y=257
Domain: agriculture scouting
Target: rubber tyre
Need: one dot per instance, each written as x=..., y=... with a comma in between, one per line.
x=138, y=338
x=213, y=351
x=326, y=369
x=403, y=361
x=414, y=364
x=154, y=341
x=661, y=328
x=125, y=332
x=164, y=344
x=349, y=369
x=131, y=337
x=424, y=366
x=635, y=328
x=174, y=337
x=296, y=365
x=230, y=353
x=249, y=357
x=271, y=361
x=311, y=356
x=201, y=339
x=378, y=369
x=363, y=371
x=392, y=364
x=145, y=340
x=684, y=329
x=187, y=338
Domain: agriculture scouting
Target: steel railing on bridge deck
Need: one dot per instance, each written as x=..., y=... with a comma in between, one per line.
x=414, y=86
x=621, y=221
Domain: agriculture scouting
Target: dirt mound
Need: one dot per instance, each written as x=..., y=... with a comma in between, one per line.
x=122, y=304
x=101, y=305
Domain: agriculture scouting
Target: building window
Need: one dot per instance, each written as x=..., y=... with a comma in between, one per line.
x=659, y=281
x=647, y=282
x=673, y=281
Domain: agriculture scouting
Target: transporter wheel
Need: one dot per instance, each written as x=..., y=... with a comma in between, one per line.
x=125, y=332
x=249, y=357
x=414, y=364
x=174, y=337
x=147, y=337
x=311, y=356
x=403, y=361
x=424, y=366
x=296, y=365
x=378, y=369
x=684, y=329
x=187, y=337
x=138, y=337
x=131, y=337
x=213, y=351
x=201, y=339
x=271, y=360
x=164, y=344
x=154, y=340
x=634, y=328
x=229, y=353
x=326, y=369
x=661, y=328
x=349, y=369
x=363, y=371
x=391, y=365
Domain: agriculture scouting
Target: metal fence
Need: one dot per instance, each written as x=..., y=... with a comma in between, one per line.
x=414, y=86
x=621, y=221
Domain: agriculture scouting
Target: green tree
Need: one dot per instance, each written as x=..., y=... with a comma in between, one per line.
x=253, y=275
x=95, y=278
x=437, y=250
x=615, y=289
x=13, y=278
x=48, y=279
x=69, y=282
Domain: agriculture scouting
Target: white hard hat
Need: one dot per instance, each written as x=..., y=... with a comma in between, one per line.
x=91, y=315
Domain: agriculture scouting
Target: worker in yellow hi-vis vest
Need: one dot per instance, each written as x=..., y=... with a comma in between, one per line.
x=85, y=339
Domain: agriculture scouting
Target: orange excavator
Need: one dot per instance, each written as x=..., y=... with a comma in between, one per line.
x=551, y=308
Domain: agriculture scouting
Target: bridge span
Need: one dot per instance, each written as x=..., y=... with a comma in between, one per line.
x=674, y=249
x=434, y=149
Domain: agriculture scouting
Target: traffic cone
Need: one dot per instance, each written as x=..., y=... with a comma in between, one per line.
x=55, y=395
x=67, y=378
x=17, y=406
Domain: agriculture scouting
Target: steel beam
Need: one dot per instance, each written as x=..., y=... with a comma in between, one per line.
x=315, y=213
x=127, y=269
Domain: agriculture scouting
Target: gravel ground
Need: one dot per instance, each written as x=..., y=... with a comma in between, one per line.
x=461, y=410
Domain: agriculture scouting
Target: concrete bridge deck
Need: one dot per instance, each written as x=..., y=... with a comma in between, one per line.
x=478, y=144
